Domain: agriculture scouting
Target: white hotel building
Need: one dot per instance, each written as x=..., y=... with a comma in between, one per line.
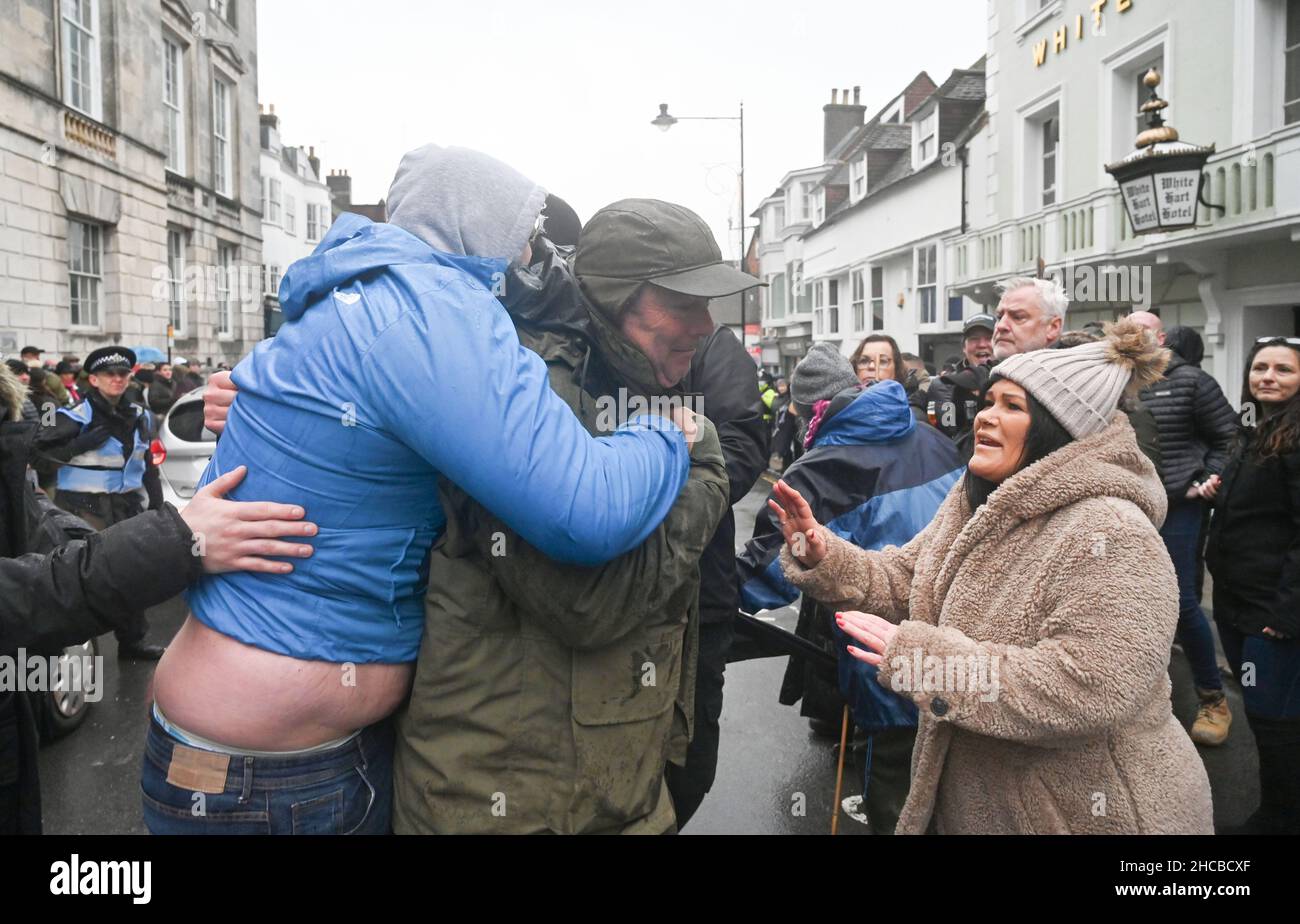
x=1063, y=89
x=894, y=232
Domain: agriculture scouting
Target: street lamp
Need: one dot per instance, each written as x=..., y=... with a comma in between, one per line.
x=663, y=122
x=1161, y=182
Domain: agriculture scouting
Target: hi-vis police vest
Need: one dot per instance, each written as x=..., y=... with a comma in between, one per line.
x=104, y=470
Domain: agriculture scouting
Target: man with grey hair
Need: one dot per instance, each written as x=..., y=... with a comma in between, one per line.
x=1030, y=316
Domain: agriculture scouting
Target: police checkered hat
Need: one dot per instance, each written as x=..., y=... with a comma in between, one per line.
x=109, y=357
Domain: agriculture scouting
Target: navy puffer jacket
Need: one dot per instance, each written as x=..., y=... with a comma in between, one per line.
x=1195, y=420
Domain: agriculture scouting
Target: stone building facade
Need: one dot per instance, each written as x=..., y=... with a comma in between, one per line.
x=129, y=176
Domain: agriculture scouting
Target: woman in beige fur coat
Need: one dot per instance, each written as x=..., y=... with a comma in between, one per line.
x=1031, y=621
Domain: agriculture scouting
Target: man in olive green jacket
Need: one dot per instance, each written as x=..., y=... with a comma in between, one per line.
x=548, y=697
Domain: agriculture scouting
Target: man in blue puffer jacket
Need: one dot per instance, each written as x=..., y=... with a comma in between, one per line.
x=396, y=364
x=875, y=477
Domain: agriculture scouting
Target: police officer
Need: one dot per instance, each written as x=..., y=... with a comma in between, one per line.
x=107, y=470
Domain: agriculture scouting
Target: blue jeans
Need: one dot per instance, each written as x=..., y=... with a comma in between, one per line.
x=1273, y=690
x=1182, y=532
x=346, y=789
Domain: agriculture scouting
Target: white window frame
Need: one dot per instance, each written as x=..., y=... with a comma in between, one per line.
x=818, y=309
x=1049, y=191
x=858, y=178
x=313, y=229
x=176, y=302
x=83, y=278
x=227, y=285
x=174, y=103
x=1035, y=12
x=819, y=206
x=291, y=215
x=777, y=292
x=878, y=298
x=927, y=279
x=271, y=279
x=832, y=306
x=273, y=201
x=223, y=149
x=1028, y=153
x=858, y=293
x=73, y=28
x=925, y=131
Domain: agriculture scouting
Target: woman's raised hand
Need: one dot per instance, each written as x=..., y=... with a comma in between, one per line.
x=803, y=534
x=870, y=630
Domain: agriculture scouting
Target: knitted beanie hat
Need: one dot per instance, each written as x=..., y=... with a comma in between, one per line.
x=823, y=373
x=1082, y=386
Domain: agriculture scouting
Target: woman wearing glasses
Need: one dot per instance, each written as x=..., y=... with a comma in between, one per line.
x=1253, y=552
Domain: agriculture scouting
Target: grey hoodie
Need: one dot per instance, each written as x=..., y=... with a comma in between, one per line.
x=462, y=202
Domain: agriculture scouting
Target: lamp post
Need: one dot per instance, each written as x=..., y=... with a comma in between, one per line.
x=1161, y=182
x=663, y=122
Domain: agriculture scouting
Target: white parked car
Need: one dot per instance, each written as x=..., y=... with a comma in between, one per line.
x=183, y=448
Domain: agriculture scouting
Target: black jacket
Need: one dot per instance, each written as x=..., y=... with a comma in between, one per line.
x=162, y=395
x=955, y=396
x=1253, y=547
x=1195, y=421
x=61, y=583
x=724, y=375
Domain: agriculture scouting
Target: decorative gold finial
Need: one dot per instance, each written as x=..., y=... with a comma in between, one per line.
x=1157, y=131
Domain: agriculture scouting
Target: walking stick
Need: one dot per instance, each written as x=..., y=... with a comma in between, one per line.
x=839, y=772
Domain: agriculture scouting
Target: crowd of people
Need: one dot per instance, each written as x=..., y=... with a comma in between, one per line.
x=1077, y=636
x=496, y=612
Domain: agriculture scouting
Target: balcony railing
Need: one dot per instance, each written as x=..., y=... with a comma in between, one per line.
x=88, y=134
x=1242, y=179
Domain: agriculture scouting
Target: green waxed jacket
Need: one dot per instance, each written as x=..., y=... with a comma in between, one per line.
x=549, y=697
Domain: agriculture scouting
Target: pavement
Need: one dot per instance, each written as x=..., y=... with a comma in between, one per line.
x=774, y=775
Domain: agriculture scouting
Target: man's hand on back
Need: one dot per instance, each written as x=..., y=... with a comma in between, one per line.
x=245, y=535
x=217, y=398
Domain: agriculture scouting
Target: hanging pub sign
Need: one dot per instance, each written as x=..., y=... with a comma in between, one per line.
x=1161, y=181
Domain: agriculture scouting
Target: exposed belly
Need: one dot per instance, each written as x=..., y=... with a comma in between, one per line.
x=246, y=697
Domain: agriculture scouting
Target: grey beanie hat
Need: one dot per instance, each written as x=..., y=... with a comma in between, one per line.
x=823, y=373
x=1081, y=386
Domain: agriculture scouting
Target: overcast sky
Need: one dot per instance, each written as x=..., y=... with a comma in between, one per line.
x=564, y=91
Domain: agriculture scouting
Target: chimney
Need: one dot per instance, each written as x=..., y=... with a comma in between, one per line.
x=269, y=130
x=841, y=118
x=340, y=186
x=313, y=160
